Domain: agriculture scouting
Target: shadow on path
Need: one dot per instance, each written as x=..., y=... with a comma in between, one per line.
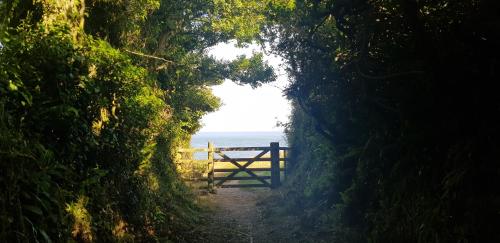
x=235, y=216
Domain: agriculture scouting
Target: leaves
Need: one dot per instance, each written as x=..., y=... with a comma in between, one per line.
x=87, y=128
x=34, y=209
x=382, y=117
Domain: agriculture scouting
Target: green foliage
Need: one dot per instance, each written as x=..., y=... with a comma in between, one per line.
x=124, y=19
x=95, y=98
x=393, y=102
x=244, y=19
x=392, y=141
x=84, y=121
x=253, y=70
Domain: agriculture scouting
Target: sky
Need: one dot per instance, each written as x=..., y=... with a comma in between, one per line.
x=244, y=108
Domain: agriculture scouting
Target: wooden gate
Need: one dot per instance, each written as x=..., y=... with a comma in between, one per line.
x=242, y=169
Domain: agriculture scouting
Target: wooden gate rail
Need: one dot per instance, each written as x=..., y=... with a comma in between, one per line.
x=222, y=149
x=243, y=168
x=274, y=150
x=250, y=169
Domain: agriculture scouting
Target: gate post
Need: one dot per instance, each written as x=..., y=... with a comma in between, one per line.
x=211, y=168
x=275, y=165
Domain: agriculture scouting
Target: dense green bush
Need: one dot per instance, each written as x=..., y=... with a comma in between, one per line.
x=395, y=125
x=82, y=132
x=92, y=110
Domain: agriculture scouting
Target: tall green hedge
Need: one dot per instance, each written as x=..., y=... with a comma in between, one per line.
x=395, y=126
x=84, y=151
x=95, y=98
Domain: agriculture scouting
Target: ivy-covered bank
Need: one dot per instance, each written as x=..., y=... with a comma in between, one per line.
x=94, y=98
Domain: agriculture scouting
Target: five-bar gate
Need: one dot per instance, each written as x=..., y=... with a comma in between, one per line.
x=221, y=175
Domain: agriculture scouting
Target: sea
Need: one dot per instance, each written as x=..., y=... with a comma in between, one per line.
x=236, y=139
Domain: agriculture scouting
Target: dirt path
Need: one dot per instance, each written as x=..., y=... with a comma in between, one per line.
x=235, y=215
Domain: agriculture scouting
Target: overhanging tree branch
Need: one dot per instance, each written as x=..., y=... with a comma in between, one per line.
x=149, y=56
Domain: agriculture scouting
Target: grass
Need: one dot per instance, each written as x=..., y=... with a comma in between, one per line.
x=257, y=164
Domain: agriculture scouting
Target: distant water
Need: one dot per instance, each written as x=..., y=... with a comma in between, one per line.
x=236, y=139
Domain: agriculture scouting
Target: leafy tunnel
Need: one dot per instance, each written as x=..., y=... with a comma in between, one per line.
x=394, y=132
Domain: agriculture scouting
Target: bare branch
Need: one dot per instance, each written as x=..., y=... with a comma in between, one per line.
x=149, y=56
